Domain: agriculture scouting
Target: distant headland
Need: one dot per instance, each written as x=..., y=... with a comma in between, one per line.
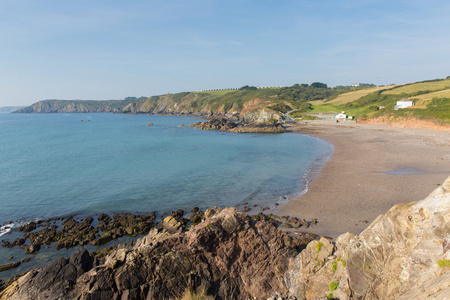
x=427, y=101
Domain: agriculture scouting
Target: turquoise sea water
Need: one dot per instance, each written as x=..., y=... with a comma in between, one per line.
x=54, y=165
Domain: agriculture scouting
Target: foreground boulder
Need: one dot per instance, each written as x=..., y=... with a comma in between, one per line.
x=403, y=254
x=229, y=255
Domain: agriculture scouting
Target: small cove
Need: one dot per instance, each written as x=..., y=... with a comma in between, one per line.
x=55, y=165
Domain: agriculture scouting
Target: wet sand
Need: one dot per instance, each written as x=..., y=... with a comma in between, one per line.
x=372, y=168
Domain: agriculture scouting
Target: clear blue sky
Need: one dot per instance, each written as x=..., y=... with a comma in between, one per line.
x=108, y=49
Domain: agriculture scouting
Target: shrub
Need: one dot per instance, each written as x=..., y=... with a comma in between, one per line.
x=443, y=263
x=333, y=285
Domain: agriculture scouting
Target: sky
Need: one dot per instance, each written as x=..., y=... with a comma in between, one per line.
x=110, y=49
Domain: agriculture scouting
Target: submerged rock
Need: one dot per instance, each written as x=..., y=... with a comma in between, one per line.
x=73, y=232
x=9, y=266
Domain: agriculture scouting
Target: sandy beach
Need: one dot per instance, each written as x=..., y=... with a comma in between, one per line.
x=372, y=168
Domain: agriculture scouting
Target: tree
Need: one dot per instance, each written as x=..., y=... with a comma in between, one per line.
x=246, y=87
x=319, y=85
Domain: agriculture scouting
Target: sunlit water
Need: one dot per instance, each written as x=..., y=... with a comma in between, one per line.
x=55, y=165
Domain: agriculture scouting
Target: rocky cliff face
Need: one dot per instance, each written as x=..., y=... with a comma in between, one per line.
x=192, y=104
x=403, y=254
x=229, y=254
x=74, y=106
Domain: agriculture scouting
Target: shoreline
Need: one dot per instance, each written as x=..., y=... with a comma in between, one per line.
x=372, y=168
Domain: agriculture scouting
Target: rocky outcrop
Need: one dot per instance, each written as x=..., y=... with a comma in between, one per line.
x=403, y=254
x=238, y=126
x=229, y=255
x=72, y=232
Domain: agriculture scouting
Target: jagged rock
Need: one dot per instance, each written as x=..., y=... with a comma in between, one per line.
x=88, y=220
x=197, y=217
x=81, y=260
x=54, y=281
x=104, y=217
x=172, y=225
x=44, y=236
x=216, y=124
x=28, y=227
x=32, y=249
x=105, y=238
x=239, y=126
x=396, y=257
x=18, y=242
x=229, y=254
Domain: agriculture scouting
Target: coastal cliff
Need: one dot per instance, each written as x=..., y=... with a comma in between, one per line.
x=403, y=254
x=75, y=106
x=299, y=101
x=252, y=109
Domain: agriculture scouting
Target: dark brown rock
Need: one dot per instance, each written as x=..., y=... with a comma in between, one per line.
x=81, y=260
x=229, y=254
x=100, y=241
x=9, y=266
x=104, y=217
x=32, y=249
x=197, y=217
x=28, y=227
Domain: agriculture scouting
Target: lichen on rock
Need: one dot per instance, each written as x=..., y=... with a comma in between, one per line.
x=396, y=257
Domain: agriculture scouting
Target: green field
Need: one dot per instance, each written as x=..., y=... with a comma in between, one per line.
x=421, y=101
x=432, y=100
x=218, y=92
x=324, y=108
x=420, y=87
x=354, y=95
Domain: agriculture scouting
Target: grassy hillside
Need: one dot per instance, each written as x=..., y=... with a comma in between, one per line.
x=352, y=96
x=432, y=100
x=423, y=87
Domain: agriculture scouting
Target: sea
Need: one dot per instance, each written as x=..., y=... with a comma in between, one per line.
x=56, y=165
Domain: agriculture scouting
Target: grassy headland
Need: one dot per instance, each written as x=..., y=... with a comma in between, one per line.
x=303, y=101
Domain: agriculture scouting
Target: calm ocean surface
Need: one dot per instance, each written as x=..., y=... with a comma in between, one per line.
x=61, y=164
x=54, y=165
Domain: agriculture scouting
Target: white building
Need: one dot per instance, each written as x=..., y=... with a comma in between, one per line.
x=342, y=115
x=404, y=103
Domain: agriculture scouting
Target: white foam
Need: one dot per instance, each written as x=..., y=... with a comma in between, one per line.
x=6, y=228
